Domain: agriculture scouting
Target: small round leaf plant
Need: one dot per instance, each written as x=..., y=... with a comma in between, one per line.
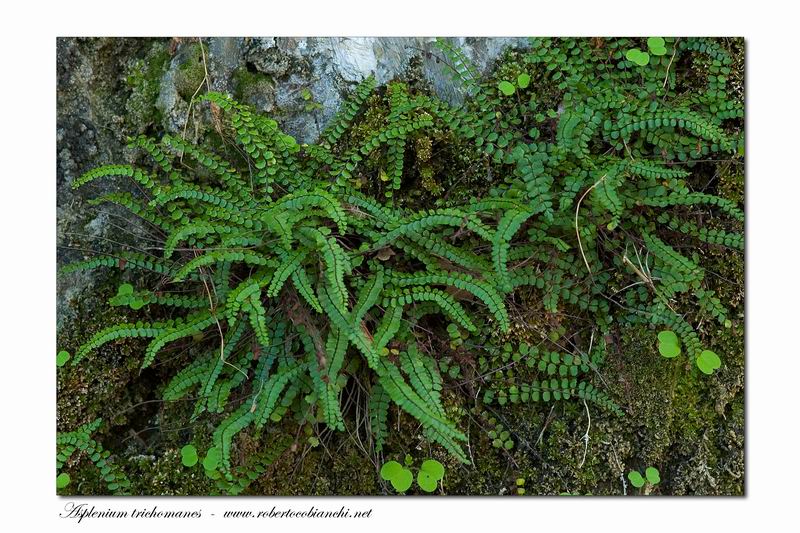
x=399, y=476
x=508, y=88
x=708, y=362
x=189, y=455
x=656, y=46
x=430, y=473
x=62, y=357
x=651, y=478
x=637, y=57
x=669, y=346
x=210, y=463
x=62, y=480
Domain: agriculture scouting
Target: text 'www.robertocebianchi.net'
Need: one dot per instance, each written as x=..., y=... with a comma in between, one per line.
x=83, y=511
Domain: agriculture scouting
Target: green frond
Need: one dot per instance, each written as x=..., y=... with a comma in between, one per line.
x=144, y=212
x=501, y=241
x=303, y=285
x=122, y=260
x=437, y=428
x=108, y=171
x=391, y=287
x=388, y=327
x=219, y=256
x=348, y=111
x=269, y=392
x=378, y=406
x=447, y=303
x=179, y=329
x=441, y=217
x=217, y=165
x=289, y=263
x=150, y=146
x=117, y=331
x=368, y=296
x=423, y=376
x=305, y=199
x=482, y=290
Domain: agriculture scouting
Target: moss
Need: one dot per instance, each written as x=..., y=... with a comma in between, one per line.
x=144, y=80
x=166, y=475
x=249, y=85
x=109, y=373
x=191, y=72
x=324, y=470
x=731, y=180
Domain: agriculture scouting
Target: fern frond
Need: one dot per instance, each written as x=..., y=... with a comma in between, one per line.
x=509, y=224
x=108, y=171
x=447, y=303
x=117, y=331
x=348, y=111
x=219, y=256
x=437, y=428
x=180, y=329
x=378, y=406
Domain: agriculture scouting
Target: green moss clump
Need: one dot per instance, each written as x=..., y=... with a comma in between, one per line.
x=191, y=72
x=144, y=80
x=248, y=85
x=109, y=374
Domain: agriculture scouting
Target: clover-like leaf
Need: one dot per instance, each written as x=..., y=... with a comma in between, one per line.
x=399, y=476
x=667, y=336
x=704, y=367
x=390, y=469
x=189, y=455
x=636, y=479
x=523, y=80
x=652, y=475
x=426, y=481
x=402, y=481
x=62, y=480
x=656, y=46
x=62, y=358
x=637, y=57
x=434, y=468
x=708, y=361
x=668, y=344
x=506, y=87
x=669, y=350
x=212, y=459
